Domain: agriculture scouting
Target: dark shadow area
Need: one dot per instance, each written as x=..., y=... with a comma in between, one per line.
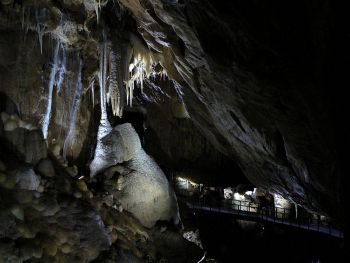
x=228, y=240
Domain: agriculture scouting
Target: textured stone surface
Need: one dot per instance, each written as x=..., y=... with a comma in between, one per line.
x=144, y=189
x=251, y=89
x=50, y=216
x=30, y=144
x=259, y=80
x=26, y=178
x=45, y=168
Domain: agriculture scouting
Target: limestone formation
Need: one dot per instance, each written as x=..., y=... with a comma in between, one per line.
x=144, y=189
x=219, y=92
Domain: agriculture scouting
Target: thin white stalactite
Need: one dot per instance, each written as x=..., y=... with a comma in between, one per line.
x=23, y=17
x=105, y=126
x=114, y=93
x=97, y=6
x=62, y=68
x=53, y=72
x=93, y=93
x=102, y=76
x=69, y=141
x=40, y=27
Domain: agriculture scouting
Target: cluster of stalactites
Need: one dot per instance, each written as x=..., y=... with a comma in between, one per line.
x=40, y=17
x=137, y=74
x=108, y=81
x=143, y=66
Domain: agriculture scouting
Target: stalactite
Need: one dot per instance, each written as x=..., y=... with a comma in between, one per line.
x=143, y=66
x=105, y=126
x=62, y=68
x=115, y=98
x=40, y=17
x=92, y=92
x=137, y=74
x=102, y=76
x=23, y=17
x=50, y=92
x=69, y=141
x=25, y=20
x=97, y=6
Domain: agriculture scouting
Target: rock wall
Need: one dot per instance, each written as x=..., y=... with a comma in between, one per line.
x=50, y=213
x=256, y=84
x=256, y=81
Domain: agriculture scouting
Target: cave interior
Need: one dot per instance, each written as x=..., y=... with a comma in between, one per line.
x=173, y=131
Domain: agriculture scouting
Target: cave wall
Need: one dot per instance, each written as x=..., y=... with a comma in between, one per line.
x=255, y=79
x=255, y=85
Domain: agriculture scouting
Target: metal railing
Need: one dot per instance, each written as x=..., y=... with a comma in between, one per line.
x=257, y=212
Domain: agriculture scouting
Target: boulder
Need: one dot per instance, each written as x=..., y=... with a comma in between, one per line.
x=25, y=178
x=45, y=168
x=28, y=144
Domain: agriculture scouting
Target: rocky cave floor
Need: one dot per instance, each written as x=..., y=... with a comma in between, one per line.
x=50, y=214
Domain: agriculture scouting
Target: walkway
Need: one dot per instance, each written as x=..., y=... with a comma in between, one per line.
x=249, y=211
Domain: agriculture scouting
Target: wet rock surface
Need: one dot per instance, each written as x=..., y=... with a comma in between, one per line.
x=253, y=88
x=142, y=187
x=48, y=215
x=256, y=91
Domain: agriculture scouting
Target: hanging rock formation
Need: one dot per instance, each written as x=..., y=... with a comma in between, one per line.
x=252, y=84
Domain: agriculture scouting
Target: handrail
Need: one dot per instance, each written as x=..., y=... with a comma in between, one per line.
x=272, y=214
